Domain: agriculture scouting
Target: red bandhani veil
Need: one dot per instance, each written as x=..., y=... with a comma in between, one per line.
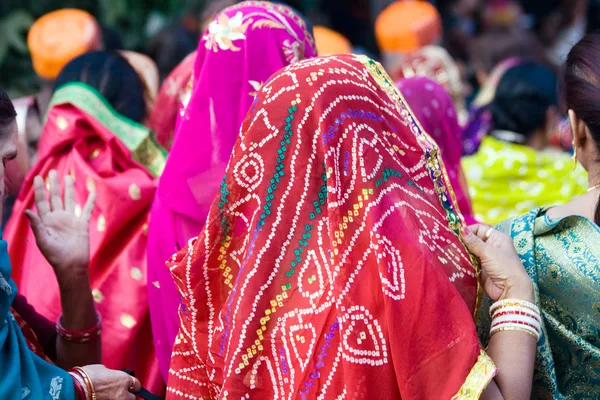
x=330, y=266
x=118, y=159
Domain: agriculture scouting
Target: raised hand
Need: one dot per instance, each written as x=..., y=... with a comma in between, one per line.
x=62, y=236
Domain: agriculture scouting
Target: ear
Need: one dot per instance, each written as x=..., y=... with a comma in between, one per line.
x=578, y=130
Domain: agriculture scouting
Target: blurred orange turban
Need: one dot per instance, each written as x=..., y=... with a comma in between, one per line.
x=406, y=26
x=59, y=37
x=330, y=43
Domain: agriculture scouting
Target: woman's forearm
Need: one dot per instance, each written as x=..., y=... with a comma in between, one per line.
x=513, y=353
x=79, y=314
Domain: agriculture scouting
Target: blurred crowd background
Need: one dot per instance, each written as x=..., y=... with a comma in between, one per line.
x=164, y=28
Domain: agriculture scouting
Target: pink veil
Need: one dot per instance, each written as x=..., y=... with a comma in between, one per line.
x=242, y=47
x=433, y=107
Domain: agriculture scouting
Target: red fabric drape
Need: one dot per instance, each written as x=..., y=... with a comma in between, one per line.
x=76, y=143
x=330, y=265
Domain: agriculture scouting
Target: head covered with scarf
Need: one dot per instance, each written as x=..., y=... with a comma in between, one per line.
x=242, y=47
x=330, y=255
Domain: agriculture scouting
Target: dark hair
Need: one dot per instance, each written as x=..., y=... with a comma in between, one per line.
x=169, y=47
x=110, y=74
x=7, y=110
x=502, y=42
x=523, y=97
x=580, y=87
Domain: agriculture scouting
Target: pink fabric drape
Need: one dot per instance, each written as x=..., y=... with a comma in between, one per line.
x=434, y=109
x=242, y=47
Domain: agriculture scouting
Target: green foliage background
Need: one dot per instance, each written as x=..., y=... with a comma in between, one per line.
x=129, y=17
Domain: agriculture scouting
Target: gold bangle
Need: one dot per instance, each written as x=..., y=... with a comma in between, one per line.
x=88, y=382
x=513, y=329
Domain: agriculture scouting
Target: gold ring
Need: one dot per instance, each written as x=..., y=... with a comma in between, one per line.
x=132, y=388
x=488, y=234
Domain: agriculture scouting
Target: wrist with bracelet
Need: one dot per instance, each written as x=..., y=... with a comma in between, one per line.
x=80, y=336
x=84, y=388
x=517, y=316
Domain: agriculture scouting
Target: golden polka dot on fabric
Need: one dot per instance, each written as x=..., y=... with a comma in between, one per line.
x=78, y=210
x=98, y=296
x=136, y=273
x=89, y=183
x=62, y=123
x=128, y=321
x=145, y=229
x=156, y=284
x=101, y=225
x=135, y=192
x=95, y=153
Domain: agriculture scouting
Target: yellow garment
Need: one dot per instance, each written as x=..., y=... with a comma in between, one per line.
x=508, y=179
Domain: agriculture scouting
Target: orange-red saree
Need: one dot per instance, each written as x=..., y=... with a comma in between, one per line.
x=119, y=160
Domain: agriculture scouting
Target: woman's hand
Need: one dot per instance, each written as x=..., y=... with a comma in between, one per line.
x=112, y=385
x=502, y=273
x=61, y=235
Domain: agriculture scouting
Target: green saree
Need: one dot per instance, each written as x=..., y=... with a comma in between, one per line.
x=563, y=259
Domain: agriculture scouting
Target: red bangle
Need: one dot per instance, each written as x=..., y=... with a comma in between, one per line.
x=80, y=393
x=80, y=373
x=82, y=336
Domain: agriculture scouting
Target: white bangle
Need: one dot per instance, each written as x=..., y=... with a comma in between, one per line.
x=514, y=302
x=509, y=319
x=516, y=315
x=517, y=310
x=515, y=328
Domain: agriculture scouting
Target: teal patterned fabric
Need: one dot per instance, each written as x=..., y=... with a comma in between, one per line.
x=563, y=259
x=23, y=375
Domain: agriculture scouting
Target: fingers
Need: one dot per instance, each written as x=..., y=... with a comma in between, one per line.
x=69, y=194
x=473, y=241
x=480, y=230
x=133, y=386
x=34, y=221
x=55, y=200
x=41, y=201
x=88, y=208
x=136, y=385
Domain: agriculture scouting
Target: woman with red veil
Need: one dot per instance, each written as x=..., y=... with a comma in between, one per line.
x=93, y=133
x=330, y=265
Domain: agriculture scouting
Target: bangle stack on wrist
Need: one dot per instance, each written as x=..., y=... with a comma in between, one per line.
x=83, y=336
x=80, y=389
x=516, y=315
x=84, y=388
